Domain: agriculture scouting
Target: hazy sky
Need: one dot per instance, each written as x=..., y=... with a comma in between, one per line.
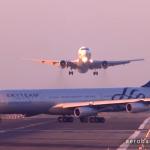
x=56, y=29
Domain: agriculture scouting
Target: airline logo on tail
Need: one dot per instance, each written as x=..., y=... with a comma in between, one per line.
x=147, y=84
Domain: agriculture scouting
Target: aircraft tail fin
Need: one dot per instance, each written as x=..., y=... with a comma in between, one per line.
x=147, y=84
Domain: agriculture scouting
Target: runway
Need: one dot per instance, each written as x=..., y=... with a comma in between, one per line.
x=45, y=133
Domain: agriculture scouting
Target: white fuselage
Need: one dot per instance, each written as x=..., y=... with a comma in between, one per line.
x=84, y=58
x=33, y=102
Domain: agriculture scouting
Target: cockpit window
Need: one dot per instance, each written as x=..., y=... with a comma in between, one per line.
x=85, y=48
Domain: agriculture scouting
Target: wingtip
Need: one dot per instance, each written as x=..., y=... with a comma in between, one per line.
x=138, y=59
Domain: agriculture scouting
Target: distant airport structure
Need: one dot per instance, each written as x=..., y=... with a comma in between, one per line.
x=84, y=62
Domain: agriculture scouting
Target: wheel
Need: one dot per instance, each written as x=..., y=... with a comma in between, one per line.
x=65, y=119
x=95, y=73
x=100, y=119
x=96, y=119
x=60, y=119
x=84, y=119
x=70, y=72
x=92, y=119
x=70, y=119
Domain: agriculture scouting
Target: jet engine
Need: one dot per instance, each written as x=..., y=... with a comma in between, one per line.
x=63, y=63
x=104, y=64
x=84, y=111
x=137, y=107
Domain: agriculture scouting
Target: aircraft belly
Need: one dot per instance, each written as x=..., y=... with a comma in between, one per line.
x=83, y=68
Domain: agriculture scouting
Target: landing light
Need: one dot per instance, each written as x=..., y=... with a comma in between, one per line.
x=91, y=61
x=84, y=59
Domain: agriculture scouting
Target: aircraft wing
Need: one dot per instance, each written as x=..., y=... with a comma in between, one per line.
x=47, y=61
x=61, y=63
x=99, y=103
x=104, y=64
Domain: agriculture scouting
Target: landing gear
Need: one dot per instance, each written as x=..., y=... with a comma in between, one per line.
x=65, y=119
x=95, y=73
x=92, y=119
x=70, y=72
x=96, y=119
x=84, y=119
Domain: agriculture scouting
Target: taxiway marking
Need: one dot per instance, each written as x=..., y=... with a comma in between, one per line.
x=24, y=127
x=125, y=145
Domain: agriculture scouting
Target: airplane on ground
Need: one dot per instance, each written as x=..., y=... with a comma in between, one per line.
x=84, y=62
x=84, y=104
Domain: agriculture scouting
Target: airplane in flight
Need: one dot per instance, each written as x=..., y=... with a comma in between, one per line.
x=84, y=62
x=84, y=104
